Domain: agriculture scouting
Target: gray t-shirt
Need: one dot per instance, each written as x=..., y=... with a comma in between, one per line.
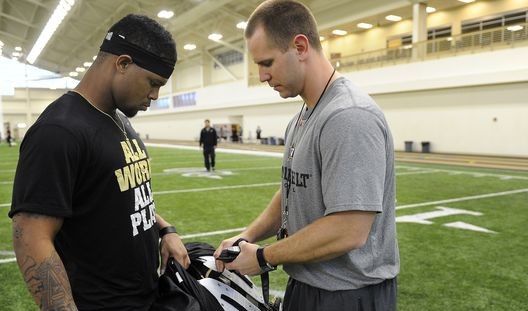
x=343, y=160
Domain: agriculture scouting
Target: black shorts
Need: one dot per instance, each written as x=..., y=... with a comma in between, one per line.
x=303, y=297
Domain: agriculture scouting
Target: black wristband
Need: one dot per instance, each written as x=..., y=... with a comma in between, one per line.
x=167, y=230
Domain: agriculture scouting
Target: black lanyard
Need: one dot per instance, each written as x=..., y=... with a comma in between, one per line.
x=282, y=233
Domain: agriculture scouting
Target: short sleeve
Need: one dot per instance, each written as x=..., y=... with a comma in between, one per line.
x=46, y=172
x=353, y=155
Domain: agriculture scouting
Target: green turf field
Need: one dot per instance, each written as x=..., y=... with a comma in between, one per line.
x=481, y=266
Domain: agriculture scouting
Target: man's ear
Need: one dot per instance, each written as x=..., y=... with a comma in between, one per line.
x=122, y=62
x=302, y=45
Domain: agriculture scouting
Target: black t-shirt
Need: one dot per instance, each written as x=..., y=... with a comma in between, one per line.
x=76, y=164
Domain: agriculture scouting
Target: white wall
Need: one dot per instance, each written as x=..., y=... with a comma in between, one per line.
x=450, y=102
x=491, y=120
x=186, y=125
x=25, y=106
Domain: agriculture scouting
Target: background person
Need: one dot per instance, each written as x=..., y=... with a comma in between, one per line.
x=259, y=131
x=85, y=227
x=208, y=141
x=9, y=138
x=335, y=210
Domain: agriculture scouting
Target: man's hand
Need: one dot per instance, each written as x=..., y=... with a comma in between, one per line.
x=220, y=266
x=172, y=246
x=246, y=262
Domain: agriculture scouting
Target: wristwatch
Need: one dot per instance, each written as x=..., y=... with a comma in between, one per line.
x=264, y=265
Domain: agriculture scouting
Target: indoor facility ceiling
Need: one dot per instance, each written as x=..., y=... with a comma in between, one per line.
x=78, y=37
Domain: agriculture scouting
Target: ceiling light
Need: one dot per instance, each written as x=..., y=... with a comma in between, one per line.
x=95, y=56
x=430, y=9
x=18, y=49
x=165, y=14
x=321, y=38
x=1, y=43
x=80, y=69
x=87, y=64
x=73, y=74
x=241, y=25
x=55, y=20
x=215, y=37
x=515, y=28
x=364, y=25
x=189, y=46
x=467, y=1
x=393, y=18
x=16, y=54
x=339, y=32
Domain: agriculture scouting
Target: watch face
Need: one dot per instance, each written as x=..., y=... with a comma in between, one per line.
x=267, y=268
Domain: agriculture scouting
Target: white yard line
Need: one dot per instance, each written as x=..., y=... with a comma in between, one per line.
x=473, y=197
x=195, y=235
x=455, y=172
x=7, y=260
x=416, y=172
x=210, y=233
x=217, y=188
x=172, y=171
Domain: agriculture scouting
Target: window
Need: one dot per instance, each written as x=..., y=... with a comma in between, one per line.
x=439, y=44
x=160, y=103
x=491, y=30
x=443, y=32
x=229, y=58
x=495, y=22
x=185, y=99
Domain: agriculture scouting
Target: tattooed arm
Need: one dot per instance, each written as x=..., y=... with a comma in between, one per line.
x=41, y=266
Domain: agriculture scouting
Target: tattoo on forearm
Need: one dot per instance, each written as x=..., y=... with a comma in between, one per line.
x=48, y=283
x=18, y=232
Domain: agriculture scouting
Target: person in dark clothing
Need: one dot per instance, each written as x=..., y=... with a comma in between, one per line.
x=85, y=228
x=9, y=139
x=259, y=132
x=208, y=141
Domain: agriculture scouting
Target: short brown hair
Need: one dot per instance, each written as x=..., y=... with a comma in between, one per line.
x=282, y=20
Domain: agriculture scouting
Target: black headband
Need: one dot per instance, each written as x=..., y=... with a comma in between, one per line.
x=117, y=45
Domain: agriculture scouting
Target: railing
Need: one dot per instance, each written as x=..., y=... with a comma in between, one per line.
x=481, y=41
x=486, y=40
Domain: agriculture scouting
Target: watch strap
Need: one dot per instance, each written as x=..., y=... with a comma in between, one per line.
x=264, y=265
x=239, y=240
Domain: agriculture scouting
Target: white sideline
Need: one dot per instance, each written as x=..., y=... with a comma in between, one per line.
x=233, y=151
